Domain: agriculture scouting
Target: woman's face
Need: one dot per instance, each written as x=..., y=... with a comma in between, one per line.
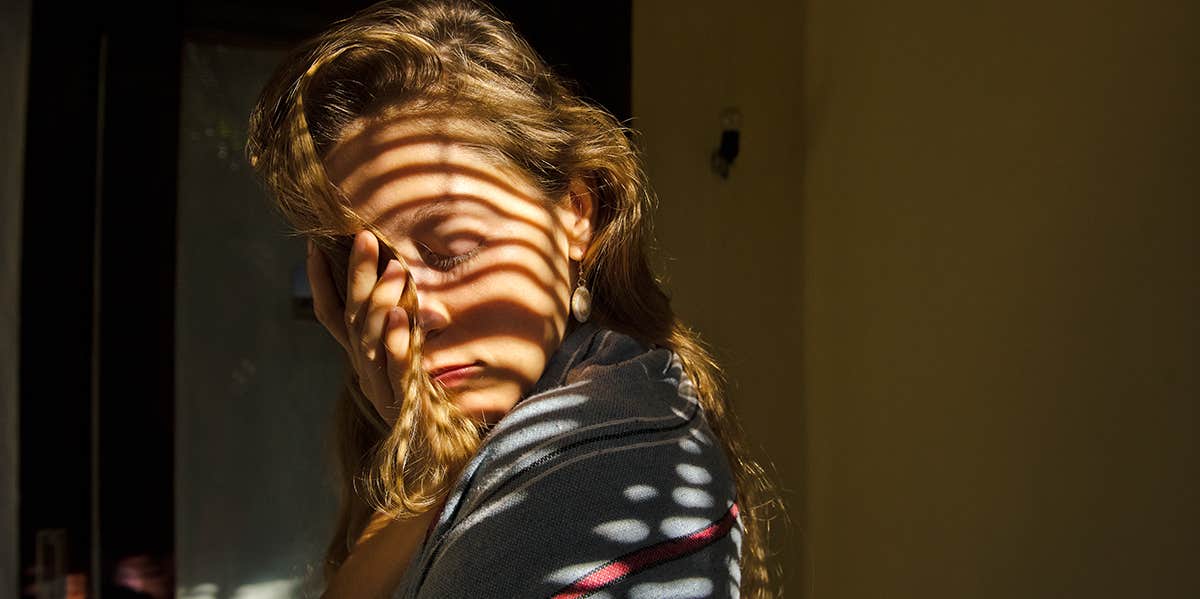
x=490, y=260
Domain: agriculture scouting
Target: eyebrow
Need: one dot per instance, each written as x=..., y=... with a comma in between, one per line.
x=434, y=208
x=443, y=206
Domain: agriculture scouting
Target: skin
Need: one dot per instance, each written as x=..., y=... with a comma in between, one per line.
x=503, y=306
x=377, y=564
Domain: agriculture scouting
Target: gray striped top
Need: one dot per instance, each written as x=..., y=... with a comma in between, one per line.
x=605, y=481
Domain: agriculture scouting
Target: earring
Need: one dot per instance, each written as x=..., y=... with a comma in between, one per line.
x=581, y=301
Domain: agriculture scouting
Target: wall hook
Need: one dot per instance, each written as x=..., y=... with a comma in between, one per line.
x=727, y=151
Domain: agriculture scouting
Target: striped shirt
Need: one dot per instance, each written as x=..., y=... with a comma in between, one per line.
x=605, y=481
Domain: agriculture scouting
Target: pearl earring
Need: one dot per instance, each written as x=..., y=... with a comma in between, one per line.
x=581, y=300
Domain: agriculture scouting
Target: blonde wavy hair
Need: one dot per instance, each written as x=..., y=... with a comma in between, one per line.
x=460, y=58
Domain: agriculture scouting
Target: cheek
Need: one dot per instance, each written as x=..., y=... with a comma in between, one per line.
x=517, y=306
x=520, y=295
x=530, y=261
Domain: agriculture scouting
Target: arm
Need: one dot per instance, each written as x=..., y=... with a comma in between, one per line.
x=380, y=557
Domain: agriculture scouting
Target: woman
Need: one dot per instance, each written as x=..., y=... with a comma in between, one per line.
x=524, y=415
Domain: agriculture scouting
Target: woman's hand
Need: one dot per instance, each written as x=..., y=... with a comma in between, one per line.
x=370, y=327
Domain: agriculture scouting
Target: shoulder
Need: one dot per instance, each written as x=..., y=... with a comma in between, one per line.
x=622, y=407
x=615, y=468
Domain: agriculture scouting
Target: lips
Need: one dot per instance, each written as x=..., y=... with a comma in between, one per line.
x=454, y=372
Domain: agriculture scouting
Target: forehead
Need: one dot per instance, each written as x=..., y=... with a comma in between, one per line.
x=393, y=170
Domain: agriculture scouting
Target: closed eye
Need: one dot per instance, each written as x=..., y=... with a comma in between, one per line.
x=444, y=262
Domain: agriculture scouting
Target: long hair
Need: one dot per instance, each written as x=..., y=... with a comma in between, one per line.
x=460, y=58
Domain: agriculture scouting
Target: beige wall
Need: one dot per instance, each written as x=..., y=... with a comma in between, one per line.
x=979, y=276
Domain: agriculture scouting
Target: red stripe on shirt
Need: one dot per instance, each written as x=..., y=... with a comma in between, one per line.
x=648, y=557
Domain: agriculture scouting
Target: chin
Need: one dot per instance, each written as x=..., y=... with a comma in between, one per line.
x=483, y=405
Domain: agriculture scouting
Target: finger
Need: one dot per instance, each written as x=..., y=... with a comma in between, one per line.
x=327, y=307
x=384, y=297
x=361, y=275
x=373, y=366
x=395, y=343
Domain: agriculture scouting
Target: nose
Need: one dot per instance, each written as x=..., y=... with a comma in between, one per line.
x=433, y=316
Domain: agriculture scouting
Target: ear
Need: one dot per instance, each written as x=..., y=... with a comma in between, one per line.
x=577, y=215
